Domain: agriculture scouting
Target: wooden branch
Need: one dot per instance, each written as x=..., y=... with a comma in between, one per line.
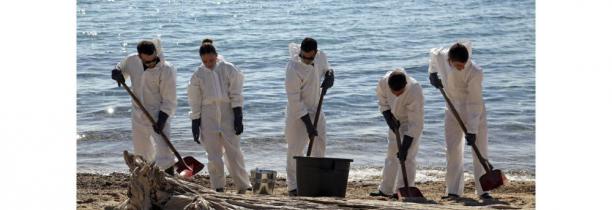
x=151, y=188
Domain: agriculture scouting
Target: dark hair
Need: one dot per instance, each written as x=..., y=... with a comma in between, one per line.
x=146, y=47
x=207, y=41
x=308, y=44
x=458, y=53
x=207, y=49
x=397, y=81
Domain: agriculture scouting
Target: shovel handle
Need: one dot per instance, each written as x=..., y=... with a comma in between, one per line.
x=316, y=120
x=180, y=159
x=485, y=163
x=402, y=163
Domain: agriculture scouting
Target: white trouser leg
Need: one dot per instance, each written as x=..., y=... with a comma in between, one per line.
x=235, y=162
x=318, y=145
x=387, y=186
x=295, y=147
x=164, y=158
x=141, y=139
x=482, y=144
x=454, y=155
x=214, y=148
x=411, y=165
x=297, y=142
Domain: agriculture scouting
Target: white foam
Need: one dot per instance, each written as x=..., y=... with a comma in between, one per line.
x=376, y=173
x=425, y=175
x=362, y=174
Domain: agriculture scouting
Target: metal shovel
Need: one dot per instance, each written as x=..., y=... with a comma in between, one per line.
x=186, y=167
x=492, y=178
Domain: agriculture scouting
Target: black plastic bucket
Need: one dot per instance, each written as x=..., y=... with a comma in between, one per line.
x=318, y=176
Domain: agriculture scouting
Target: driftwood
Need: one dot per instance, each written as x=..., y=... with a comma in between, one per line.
x=151, y=188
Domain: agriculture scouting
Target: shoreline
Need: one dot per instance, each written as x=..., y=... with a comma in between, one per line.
x=97, y=191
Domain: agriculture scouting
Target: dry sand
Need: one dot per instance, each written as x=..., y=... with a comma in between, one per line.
x=96, y=191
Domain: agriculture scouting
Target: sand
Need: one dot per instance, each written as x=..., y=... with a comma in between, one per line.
x=95, y=191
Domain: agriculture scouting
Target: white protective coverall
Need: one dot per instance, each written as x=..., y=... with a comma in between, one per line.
x=302, y=85
x=408, y=109
x=212, y=95
x=156, y=90
x=464, y=88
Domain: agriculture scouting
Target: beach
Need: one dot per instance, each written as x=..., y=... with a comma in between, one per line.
x=362, y=40
x=97, y=191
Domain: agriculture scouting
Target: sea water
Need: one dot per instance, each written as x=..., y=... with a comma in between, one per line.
x=363, y=40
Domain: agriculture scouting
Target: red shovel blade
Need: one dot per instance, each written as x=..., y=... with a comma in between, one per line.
x=492, y=180
x=410, y=193
x=191, y=168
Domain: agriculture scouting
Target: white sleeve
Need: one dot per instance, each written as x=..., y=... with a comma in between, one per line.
x=323, y=64
x=474, y=102
x=292, y=87
x=194, y=96
x=122, y=66
x=381, y=89
x=235, y=87
x=167, y=88
x=294, y=50
x=415, y=113
x=434, y=57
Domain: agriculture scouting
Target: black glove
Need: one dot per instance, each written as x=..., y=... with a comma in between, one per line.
x=238, y=127
x=435, y=80
x=403, y=150
x=391, y=121
x=161, y=122
x=329, y=79
x=312, y=131
x=195, y=129
x=470, y=139
x=117, y=76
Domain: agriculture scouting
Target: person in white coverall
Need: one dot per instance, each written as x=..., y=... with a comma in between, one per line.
x=400, y=99
x=154, y=84
x=215, y=97
x=453, y=70
x=306, y=67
